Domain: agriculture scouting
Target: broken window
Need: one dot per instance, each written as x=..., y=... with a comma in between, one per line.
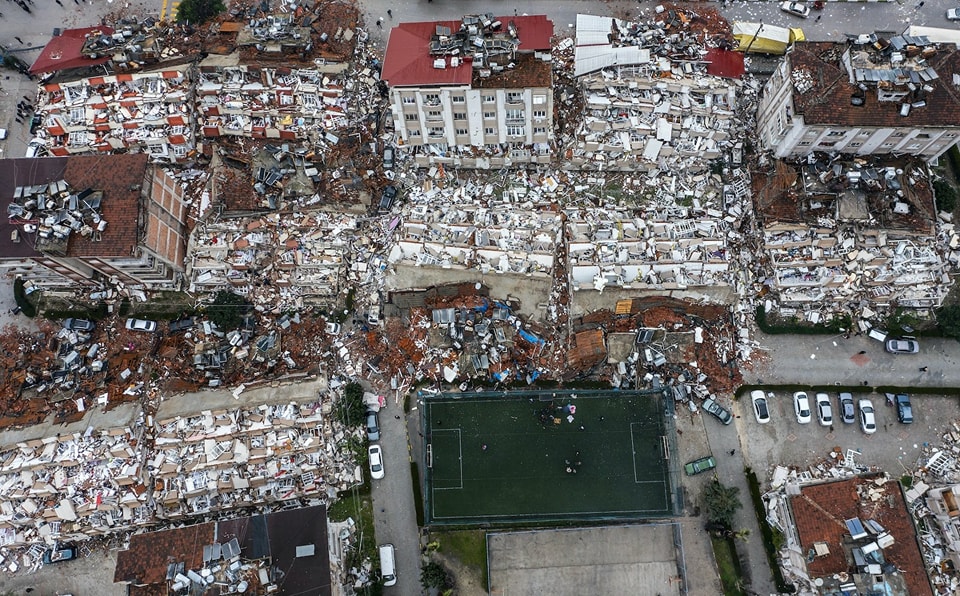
x=514, y=97
x=431, y=98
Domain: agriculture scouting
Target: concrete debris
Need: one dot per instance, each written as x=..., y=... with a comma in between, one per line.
x=141, y=111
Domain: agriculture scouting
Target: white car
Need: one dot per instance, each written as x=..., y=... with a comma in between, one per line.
x=801, y=407
x=376, y=462
x=760, y=409
x=141, y=325
x=333, y=328
x=34, y=147
x=796, y=9
x=824, y=410
x=868, y=418
x=953, y=14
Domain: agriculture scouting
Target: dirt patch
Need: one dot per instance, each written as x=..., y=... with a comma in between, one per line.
x=467, y=579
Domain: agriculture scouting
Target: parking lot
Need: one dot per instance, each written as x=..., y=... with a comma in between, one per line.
x=893, y=447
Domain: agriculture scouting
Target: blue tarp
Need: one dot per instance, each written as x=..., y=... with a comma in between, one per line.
x=530, y=337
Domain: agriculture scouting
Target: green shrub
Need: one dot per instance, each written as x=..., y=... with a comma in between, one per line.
x=227, y=310
x=797, y=327
x=350, y=409
x=23, y=301
x=945, y=195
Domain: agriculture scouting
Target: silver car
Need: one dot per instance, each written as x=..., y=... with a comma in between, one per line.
x=906, y=345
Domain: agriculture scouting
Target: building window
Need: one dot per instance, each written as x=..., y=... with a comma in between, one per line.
x=179, y=150
x=489, y=98
x=539, y=130
x=922, y=135
x=413, y=132
x=863, y=133
x=462, y=132
x=514, y=96
x=539, y=113
x=913, y=147
x=434, y=114
x=431, y=98
x=408, y=100
x=855, y=144
x=488, y=131
x=458, y=99
x=539, y=100
x=803, y=143
x=515, y=131
x=515, y=114
x=950, y=135
x=887, y=145
x=489, y=115
x=897, y=134
x=411, y=117
x=836, y=133
x=459, y=116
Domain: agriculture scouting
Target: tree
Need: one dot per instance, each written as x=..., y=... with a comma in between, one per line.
x=227, y=310
x=721, y=503
x=197, y=12
x=433, y=575
x=351, y=408
x=948, y=318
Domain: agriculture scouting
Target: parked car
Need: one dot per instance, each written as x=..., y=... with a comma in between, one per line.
x=796, y=9
x=141, y=325
x=373, y=426
x=59, y=554
x=824, y=411
x=953, y=14
x=376, y=462
x=333, y=328
x=847, y=415
x=760, y=406
x=906, y=345
x=78, y=324
x=387, y=198
x=182, y=325
x=801, y=407
x=868, y=417
x=700, y=465
x=388, y=158
x=904, y=408
x=35, y=148
x=711, y=406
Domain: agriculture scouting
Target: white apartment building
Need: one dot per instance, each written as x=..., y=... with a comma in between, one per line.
x=864, y=97
x=475, y=93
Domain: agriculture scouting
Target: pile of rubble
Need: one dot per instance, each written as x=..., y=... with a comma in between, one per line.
x=79, y=486
x=863, y=231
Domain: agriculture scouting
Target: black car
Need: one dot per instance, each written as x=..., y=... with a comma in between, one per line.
x=904, y=408
x=182, y=325
x=78, y=324
x=718, y=411
x=387, y=198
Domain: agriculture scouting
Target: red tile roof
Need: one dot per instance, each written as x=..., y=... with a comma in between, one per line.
x=407, y=61
x=820, y=511
x=118, y=176
x=146, y=559
x=827, y=102
x=63, y=51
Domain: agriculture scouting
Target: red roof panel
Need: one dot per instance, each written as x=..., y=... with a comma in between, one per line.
x=63, y=51
x=724, y=63
x=407, y=61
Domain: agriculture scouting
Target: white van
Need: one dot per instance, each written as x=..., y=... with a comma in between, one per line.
x=388, y=567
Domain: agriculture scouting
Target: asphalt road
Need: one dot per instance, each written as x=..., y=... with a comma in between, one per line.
x=814, y=359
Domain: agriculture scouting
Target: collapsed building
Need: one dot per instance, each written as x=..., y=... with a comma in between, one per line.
x=649, y=101
x=837, y=231
x=870, y=95
x=474, y=93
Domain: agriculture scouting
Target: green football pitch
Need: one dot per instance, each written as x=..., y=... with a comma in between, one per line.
x=511, y=457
